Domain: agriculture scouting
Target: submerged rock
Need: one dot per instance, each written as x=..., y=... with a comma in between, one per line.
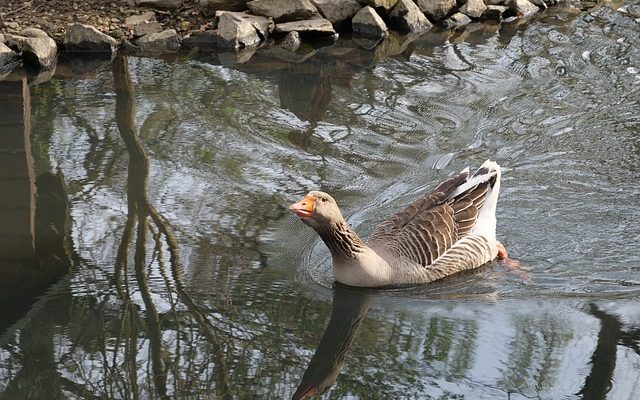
x=407, y=17
x=339, y=12
x=209, y=7
x=367, y=22
x=309, y=26
x=167, y=40
x=35, y=46
x=9, y=59
x=436, y=10
x=87, y=39
x=284, y=10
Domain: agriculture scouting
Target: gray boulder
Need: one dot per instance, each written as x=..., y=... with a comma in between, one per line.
x=284, y=10
x=473, y=8
x=160, y=4
x=167, y=40
x=523, y=8
x=407, y=17
x=386, y=4
x=367, y=22
x=209, y=7
x=457, y=20
x=146, y=28
x=263, y=25
x=235, y=32
x=339, y=12
x=9, y=59
x=134, y=20
x=309, y=26
x=87, y=39
x=436, y=10
x=35, y=46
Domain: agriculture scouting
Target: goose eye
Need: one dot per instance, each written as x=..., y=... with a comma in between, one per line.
x=324, y=199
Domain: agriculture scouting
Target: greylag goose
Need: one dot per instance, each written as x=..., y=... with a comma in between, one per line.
x=445, y=231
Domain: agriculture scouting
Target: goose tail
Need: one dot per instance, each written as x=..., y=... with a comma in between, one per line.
x=486, y=222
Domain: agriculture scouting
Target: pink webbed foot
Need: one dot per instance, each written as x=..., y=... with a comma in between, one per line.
x=511, y=264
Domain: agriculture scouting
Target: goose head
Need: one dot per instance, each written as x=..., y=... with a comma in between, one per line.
x=317, y=209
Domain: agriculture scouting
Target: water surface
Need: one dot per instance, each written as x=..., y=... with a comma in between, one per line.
x=190, y=279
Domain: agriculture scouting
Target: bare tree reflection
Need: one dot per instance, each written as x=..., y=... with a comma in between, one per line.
x=143, y=218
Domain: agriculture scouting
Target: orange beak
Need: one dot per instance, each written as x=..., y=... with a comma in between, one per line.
x=305, y=207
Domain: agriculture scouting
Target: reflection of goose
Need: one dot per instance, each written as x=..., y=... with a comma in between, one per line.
x=451, y=229
x=349, y=308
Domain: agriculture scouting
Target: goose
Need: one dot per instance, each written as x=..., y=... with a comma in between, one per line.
x=445, y=231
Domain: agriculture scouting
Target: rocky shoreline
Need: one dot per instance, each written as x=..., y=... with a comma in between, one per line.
x=33, y=33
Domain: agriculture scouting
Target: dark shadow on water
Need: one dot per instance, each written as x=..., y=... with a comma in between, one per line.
x=603, y=360
x=350, y=305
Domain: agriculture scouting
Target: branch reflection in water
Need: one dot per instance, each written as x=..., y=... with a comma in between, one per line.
x=143, y=219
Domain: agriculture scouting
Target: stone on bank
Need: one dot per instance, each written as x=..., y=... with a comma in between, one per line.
x=167, y=40
x=9, y=59
x=284, y=10
x=87, y=39
x=35, y=46
x=406, y=16
x=367, y=22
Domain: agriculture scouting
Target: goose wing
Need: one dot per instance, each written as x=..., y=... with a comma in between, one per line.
x=430, y=225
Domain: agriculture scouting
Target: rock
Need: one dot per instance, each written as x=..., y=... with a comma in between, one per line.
x=146, y=28
x=494, y=12
x=12, y=25
x=87, y=39
x=9, y=59
x=339, y=12
x=523, y=8
x=284, y=10
x=291, y=41
x=495, y=2
x=457, y=20
x=240, y=56
x=264, y=26
x=167, y=40
x=35, y=46
x=407, y=17
x=309, y=26
x=436, y=10
x=367, y=22
x=473, y=8
x=386, y=4
x=201, y=39
x=160, y=4
x=235, y=32
x=134, y=20
x=209, y=7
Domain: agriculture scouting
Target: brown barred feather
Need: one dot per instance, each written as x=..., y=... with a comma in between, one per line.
x=429, y=226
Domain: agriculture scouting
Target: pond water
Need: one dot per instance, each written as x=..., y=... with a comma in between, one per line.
x=191, y=279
